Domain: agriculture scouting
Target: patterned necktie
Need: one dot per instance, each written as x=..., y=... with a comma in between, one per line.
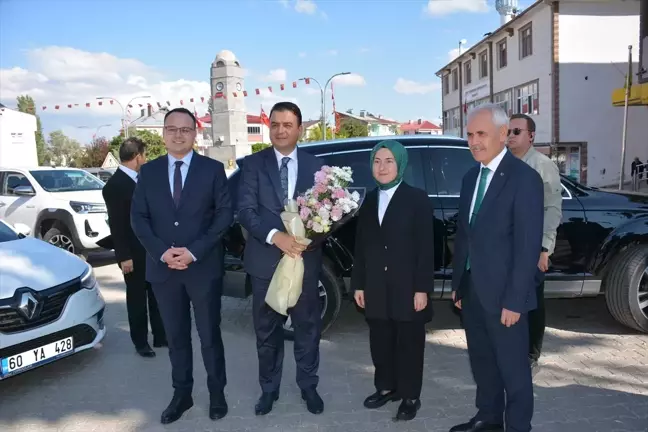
x=283, y=176
x=481, y=190
x=177, y=183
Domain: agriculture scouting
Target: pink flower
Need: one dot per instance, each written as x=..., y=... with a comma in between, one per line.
x=320, y=188
x=339, y=193
x=304, y=213
x=301, y=201
x=336, y=213
x=326, y=169
x=320, y=177
x=309, y=224
x=327, y=202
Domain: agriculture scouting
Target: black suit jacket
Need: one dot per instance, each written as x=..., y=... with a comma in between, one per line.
x=260, y=206
x=198, y=223
x=505, y=240
x=118, y=194
x=395, y=260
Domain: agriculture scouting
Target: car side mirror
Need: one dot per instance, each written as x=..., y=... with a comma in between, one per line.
x=22, y=229
x=24, y=191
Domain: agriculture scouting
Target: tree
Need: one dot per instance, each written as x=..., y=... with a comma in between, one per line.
x=353, y=128
x=154, y=143
x=315, y=134
x=95, y=153
x=259, y=146
x=27, y=105
x=63, y=150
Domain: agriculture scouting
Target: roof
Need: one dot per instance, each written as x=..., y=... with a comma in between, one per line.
x=490, y=35
x=369, y=118
x=251, y=119
x=414, y=126
x=309, y=123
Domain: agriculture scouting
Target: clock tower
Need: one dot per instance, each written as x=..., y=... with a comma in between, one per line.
x=228, y=115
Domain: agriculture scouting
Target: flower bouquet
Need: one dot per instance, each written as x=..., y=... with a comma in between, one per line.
x=311, y=218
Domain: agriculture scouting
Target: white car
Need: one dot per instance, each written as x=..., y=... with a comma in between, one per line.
x=50, y=303
x=63, y=206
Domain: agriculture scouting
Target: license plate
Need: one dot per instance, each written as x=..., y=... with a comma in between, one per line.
x=37, y=356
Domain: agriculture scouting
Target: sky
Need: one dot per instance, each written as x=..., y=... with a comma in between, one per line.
x=71, y=52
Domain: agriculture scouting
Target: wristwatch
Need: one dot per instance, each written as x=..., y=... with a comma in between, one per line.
x=544, y=249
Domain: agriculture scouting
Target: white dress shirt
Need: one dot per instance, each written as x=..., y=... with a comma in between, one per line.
x=384, y=197
x=129, y=172
x=492, y=166
x=292, y=180
x=184, y=169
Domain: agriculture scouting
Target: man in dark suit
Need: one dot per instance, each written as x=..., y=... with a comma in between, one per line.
x=268, y=179
x=181, y=209
x=130, y=254
x=499, y=237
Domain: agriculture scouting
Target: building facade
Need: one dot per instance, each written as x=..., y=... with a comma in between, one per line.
x=557, y=61
x=420, y=127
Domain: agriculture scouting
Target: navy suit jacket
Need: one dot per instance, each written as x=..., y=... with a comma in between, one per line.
x=198, y=223
x=260, y=204
x=505, y=240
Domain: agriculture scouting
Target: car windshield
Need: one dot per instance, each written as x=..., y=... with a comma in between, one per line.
x=7, y=234
x=62, y=180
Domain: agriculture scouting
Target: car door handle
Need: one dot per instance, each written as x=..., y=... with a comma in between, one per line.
x=2, y=204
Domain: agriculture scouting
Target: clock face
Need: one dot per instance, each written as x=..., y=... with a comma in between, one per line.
x=219, y=86
x=239, y=86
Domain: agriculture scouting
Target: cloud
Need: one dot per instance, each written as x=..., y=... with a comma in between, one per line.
x=305, y=6
x=349, y=80
x=447, y=7
x=276, y=75
x=363, y=50
x=268, y=99
x=302, y=54
x=285, y=3
x=332, y=52
x=454, y=53
x=406, y=86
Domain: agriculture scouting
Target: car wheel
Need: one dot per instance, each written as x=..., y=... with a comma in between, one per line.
x=330, y=297
x=59, y=236
x=626, y=288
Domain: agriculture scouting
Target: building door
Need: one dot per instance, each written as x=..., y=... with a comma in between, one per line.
x=568, y=160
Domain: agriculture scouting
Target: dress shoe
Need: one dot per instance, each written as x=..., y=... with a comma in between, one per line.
x=160, y=343
x=408, y=409
x=179, y=404
x=477, y=426
x=264, y=404
x=217, y=406
x=145, y=351
x=314, y=402
x=379, y=399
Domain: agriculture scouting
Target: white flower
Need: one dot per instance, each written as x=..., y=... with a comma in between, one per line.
x=317, y=227
x=324, y=213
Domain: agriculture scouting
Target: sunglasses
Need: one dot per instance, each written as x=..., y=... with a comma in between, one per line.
x=516, y=131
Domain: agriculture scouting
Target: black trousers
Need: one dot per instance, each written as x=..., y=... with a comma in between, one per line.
x=397, y=352
x=499, y=362
x=268, y=326
x=142, y=307
x=175, y=298
x=537, y=323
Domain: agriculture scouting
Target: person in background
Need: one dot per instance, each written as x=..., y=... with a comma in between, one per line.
x=131, y=255
x=522, y=131
x=499, y=236
x=181, y=210
x=393, y=275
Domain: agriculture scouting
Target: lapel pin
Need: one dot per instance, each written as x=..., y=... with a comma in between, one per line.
x=501, y=173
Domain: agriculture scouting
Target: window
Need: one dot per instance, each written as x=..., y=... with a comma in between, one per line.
x=362, y=175
x=526, y=41
x=7, y=234
x=254, y=130
x=448, y=167
x=483, y=64
x=62, y=180
x=455, y=79
x=446, y=85
x=526, y=99
x=11, y=181
x=504, y=100
x=472, y=105
x=468, y=72
x=451, y=119
x=502, y=59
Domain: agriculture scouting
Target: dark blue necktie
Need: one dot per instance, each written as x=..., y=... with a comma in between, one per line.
x=177, y=183
x=283, y=175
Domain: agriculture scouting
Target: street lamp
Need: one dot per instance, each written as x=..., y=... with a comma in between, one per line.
x=123, y=118
x=322, y=92
x=96, y=130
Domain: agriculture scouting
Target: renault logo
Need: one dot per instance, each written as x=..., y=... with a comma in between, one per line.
x=29, y=306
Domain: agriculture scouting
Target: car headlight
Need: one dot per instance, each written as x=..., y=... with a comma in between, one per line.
x=88, y=280
x=81, y=207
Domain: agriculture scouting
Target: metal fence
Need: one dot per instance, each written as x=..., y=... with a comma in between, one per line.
x=640, y=178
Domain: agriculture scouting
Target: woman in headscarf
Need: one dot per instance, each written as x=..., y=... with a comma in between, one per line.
x=393, y=274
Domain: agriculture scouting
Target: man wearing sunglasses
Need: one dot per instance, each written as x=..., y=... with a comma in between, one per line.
x=521, y=134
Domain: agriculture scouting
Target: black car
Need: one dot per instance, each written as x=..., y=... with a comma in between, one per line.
x=601, y=247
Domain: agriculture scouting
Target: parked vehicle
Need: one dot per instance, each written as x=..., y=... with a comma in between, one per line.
x=62, y=206
x=601, y=246
x=102, y=174
x=50, y=303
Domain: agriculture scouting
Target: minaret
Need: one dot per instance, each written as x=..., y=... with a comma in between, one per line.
x=228, y=115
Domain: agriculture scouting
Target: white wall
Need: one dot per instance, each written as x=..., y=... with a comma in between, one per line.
x=534, y=67
x=17, y=139
x=592, y=64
